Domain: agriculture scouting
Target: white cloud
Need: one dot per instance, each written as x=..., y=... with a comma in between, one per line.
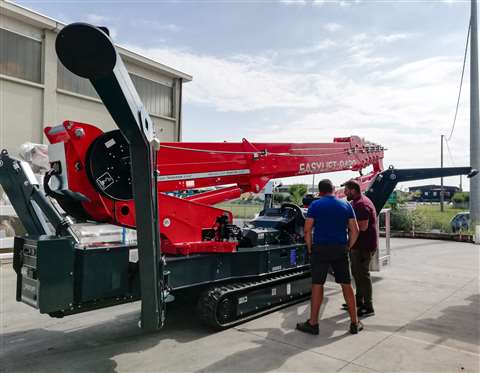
x=404, y=106
x=364, y=57
x=390, y=38
x=170, y=27
x=294, y=2
x=332, y=27
x=105, y=21
x=113, y=32
x=155, y=25
x=239, y=83
x=364, y=49
x=250, y=82
x=342, y=3
x=423, y=72
x=97, y=19
x=320, y=46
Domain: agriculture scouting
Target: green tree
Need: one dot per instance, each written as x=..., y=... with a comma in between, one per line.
x=297, y=191
x=400, y=220
x=461, y=197
x=414, y=196
x=278, y=198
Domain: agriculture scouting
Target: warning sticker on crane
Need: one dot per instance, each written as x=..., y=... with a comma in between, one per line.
x=203, y=175
x=110, y=143
x=242, y=300
x=133, y=255
x=105, y=180
x=310, y=167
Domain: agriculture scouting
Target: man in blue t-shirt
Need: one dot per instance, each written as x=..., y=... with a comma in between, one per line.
x=335, y=231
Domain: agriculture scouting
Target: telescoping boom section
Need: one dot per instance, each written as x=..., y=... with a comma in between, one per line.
x=98, y=167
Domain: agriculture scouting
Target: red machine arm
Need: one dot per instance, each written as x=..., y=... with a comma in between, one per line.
x=97, y=165
x=252, y=165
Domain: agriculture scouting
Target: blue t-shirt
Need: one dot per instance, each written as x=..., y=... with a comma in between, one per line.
x=331, y=220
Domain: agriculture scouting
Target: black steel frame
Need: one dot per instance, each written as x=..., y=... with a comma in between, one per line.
x=89, y=52
x=384, y=184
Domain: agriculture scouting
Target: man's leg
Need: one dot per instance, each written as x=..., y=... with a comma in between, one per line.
x=349, y=296
x=319, y=270
x=316, y=303
x=356, y=264
x=365, y=281
x=341, y=267
x=355, y=325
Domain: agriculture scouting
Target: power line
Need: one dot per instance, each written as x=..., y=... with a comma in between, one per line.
x=461, y=81
x=449, y=152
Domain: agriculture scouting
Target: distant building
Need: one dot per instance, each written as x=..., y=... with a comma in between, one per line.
x=431, y=193
x=37, y=91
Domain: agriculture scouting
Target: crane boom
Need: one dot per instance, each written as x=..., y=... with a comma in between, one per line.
x=97, y=165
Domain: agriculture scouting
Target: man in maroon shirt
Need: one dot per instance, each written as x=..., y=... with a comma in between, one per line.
x=364, y=248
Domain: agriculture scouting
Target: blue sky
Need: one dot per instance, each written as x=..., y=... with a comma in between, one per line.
x=285, y=71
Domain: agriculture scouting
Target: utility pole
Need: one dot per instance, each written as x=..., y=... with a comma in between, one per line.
x=441, y=179
x=474, y=123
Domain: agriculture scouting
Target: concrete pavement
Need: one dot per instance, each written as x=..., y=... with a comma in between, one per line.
x=427, y=320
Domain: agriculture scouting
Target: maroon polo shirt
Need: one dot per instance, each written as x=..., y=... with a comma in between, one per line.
x=364, y=209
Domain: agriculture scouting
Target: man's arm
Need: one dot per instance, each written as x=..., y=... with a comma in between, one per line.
x=362, y=213
x=353, y=232
x=362, y=225
x=308, y=228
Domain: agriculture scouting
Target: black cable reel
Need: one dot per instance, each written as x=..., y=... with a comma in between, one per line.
x=108, y=166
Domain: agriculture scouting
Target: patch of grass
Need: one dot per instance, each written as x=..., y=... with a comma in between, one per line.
x=435, y=219
x=241, y=211
x=425, y=217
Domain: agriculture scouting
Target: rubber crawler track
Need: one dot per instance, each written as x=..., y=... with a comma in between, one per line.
x=211, y=298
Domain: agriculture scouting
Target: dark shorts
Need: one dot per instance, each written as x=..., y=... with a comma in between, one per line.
x=324, y=257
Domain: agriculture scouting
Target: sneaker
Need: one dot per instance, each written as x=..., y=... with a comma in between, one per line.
x=365, y=311
x=306, y=327
x=355, y=328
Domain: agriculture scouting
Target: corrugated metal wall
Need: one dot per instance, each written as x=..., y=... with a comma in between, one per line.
x=26, y=104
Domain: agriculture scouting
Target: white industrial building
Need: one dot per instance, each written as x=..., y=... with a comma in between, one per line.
x=37, y=91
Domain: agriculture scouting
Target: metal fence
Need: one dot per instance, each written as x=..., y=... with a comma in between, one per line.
x=382, y=257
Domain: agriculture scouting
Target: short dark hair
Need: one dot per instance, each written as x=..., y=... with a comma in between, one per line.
x=353, y=184
x=325, y=186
